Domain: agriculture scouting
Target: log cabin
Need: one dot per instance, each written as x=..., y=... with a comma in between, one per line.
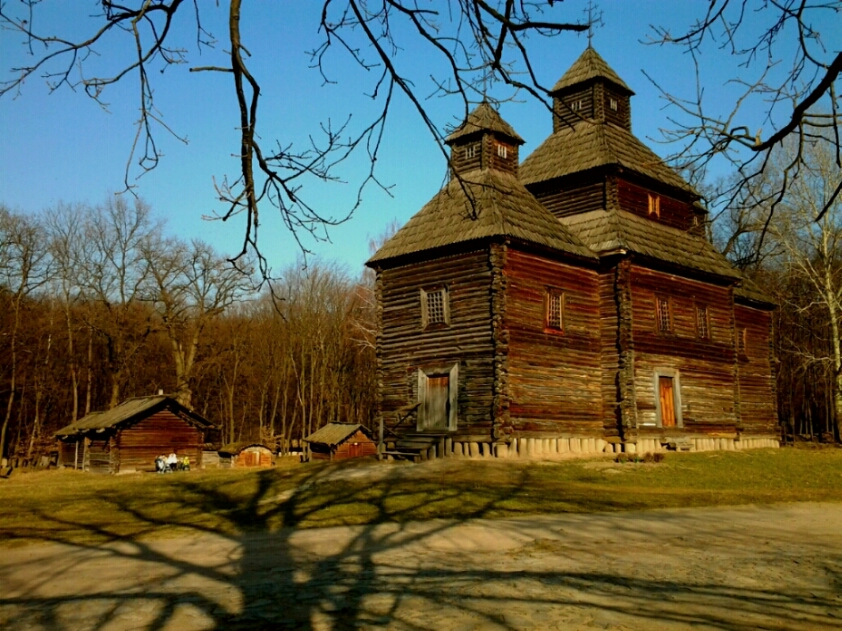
x=130, y=436
x=340, y=441
x=571, y=302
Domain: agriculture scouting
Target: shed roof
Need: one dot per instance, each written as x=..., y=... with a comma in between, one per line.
x=590, y=65
x=484, y=118
x=588, y=145
x=130, y=410
x=336, y=433
x=502, y=207
x=237, y=447
x=608, y=231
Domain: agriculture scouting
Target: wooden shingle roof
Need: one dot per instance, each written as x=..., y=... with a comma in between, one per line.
x=588, y=145
x=589, y=66
x=486, y=203
x=335, y=433
x=235, y=448
x=611, y=231
x=748, y=292
x=128, y=411
x=484, y=118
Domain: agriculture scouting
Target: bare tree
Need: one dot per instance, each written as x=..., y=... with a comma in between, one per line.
x=64, y=225
x=810, y=240
x=24, y=267
x=114, y=278
x=470, y=42
x=787, y=95
x=191, y=285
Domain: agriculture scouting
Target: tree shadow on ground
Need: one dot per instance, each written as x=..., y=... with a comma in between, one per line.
x=246, y=573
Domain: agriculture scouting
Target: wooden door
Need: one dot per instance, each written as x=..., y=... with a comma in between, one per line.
x=354, y=450
x=667, y=396
x=437, y=403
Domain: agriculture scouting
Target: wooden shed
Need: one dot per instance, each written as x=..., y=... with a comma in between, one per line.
x=130, y=436
x=338, y=441
x=245, y=454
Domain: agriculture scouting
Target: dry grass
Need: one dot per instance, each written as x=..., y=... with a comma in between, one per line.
x=68, y=506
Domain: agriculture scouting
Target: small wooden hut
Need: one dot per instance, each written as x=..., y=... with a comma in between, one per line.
x=130, y=436
x=245, y=454
x=338, y=441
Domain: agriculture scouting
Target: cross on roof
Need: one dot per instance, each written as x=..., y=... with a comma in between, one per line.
x=594, y=19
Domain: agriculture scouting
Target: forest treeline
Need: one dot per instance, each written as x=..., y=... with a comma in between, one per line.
x=98, y=304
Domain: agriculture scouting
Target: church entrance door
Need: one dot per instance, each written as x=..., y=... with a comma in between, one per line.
x=667, y=400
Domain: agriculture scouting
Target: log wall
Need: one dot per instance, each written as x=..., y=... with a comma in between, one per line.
x=101, y=454
x=554, y=376
x=404, y=346
x=609, y=351
x=622, y=115
x=758, y=399
x=706, y=367
x=574, y=196
x=156, y=435
x=635, y=199
x=565, y=116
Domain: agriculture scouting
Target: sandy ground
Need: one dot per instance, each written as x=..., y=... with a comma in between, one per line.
x=776, y=567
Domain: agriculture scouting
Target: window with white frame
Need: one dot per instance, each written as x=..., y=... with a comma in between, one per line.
x=502, y=151
x=612, y=103
x=470, y=151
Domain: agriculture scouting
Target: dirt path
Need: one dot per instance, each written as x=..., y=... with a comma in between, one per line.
x=720, y=568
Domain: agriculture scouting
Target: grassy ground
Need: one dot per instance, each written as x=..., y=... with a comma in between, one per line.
x=82, y=508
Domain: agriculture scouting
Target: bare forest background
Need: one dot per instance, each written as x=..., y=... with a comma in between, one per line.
x=98, y=304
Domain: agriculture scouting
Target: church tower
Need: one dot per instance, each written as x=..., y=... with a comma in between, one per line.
x=484, y=140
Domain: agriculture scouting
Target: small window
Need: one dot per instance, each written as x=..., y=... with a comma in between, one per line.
x=702, y=322
x=654, y=205
x=612, y=103
x=554, y=310
x=503, y=151
x=470, y=151
x=576, y=105
x=435, y=309
x=742, y=341
x=663, y=314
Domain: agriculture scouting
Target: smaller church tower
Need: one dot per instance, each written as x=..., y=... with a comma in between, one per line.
x=484, y=140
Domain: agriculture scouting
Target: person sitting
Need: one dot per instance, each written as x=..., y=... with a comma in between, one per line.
x=172, y=461
x=161, y=464
x=185, y=463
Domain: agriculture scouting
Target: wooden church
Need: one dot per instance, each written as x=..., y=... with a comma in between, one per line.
x=571, y=302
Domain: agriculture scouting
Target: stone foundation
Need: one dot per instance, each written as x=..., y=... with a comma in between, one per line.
x=571, y=446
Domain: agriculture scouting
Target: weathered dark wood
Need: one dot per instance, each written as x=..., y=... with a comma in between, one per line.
x=355, y=446
x=635, y=199
x=405, y=347
x=706, y=367
x=158, y=434
x=755, y=368
x=602, y=363
x=554, y=376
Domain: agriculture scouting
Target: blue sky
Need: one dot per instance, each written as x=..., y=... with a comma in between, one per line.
x=64, y=147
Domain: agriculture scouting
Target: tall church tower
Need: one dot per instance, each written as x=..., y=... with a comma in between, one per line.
x=592, y=161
